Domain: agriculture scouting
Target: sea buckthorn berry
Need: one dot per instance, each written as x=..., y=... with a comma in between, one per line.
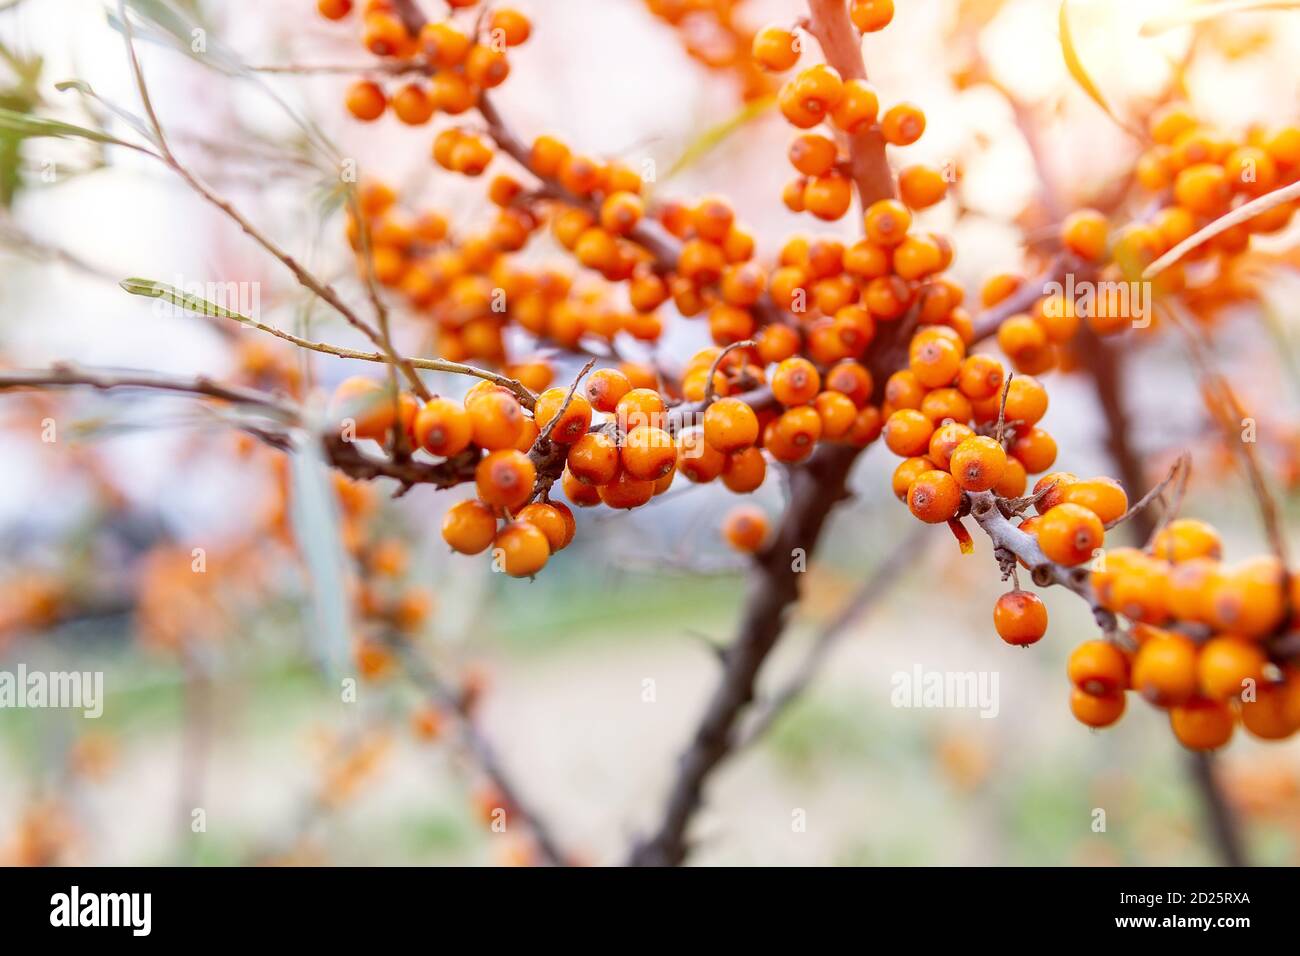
x=550, y=521
x=413, y=105
x=626, y=492
x=701, y=261
x=512, y=26
x=745, y=529
x=813, y=154
x=640, y=406
x=902, y=390
x=828, y=197
x=980, y=377
x=907, y=433
x=917, y=257
x=620, y=212
x=1013, y=481
x=1186, y=538
x=887, y=297
x=1094, y=711
x=546, y=156
x=505, y=478
x=469, y=526
x=334, y=9
x=1203, y=188
x=1026, y=400
x=593, y=459
x=1248, y=599
x=580, y=175
x=367, y=403
x=796, y=381
x=1250, y=170
x=793, y=192
x=852, y=379
x=730, y=425
x=573, y=421
x=1035, y=448
x=871, y=15
x=485, y=67
x=1268, y=716
x=713, y=218
x=857, y=108
x=743, y=283
x=1021, y=338
x=945, y=440
x=1104, y=497
x=1165, y=671
x=866, y=260
x=699, y=461
x=1226, y=665
x=443, y=427
x=497, y=418
x=1084, y=233
x=886, y=222
x=775, y=49
x=946, y=404
x=366, y=100
x=1202, y=724
x=978, y=464
x=921, y=186
x=902, y=124
x=744, y=470
x=934, y=497
x=1099, y=668
x=1057, y=316
x=837, y=413
x=648, y=453
x=793, y=434
x=866, y=427
x=935, y=355
x=605, y=387
x=521, y=549
x=1069, y=534
x=907, y=472
x=580, y=493
x=1191, y=583
x=1020, y=618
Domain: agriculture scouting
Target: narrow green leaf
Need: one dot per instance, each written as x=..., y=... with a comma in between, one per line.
x=191, y=303
x=1080, y=73
x=716, y=135
x=135, y=122
x=27, y=126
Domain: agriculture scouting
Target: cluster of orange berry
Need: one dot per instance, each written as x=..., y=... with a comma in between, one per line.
x=713, y=36
x=459, y=64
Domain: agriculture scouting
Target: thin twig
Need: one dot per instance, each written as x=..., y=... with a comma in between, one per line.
x=710, y=390
x=1181, y=466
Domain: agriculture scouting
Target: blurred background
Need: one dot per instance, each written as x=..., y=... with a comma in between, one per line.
x=221, y=693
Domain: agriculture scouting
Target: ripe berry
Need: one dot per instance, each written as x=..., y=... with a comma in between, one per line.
x=745, y=529
x=886, y=222
x=366, y=100
x=730, y=425
x=828, y=197
x=573, y=422
x=1185, y=539
x=978, y=463
x=1094, y=711
x=699, y=461
x=648, y=453
x=921, y=186
x=1035, y=448
x=522, y=549
x=443, y=427
x=605, y=387
x=334, y=9
x=907, y=472
x=871, y=15
x=795, y=382
x=505, y=478
x=553, y=520
x=1248, y=599
x=497, y=418
x=620, y=212
x=775, y=49
x=907, y=433
x=1268, y=716
x=1098, y=667
x=945, y=440
x=857, y=107
x=627, y=492
x=1203, y=188
x=935, y=356
x=469, y=526
x=902, y=124
x=1020, y=618
x=1026, y=400
x=744, y=470
x=514, y=27
x=793, y=435
x=1069, y=534
x=980, y=377
x=1084, y=233
x=1164, y=670
x=813, y=154
x=367, y=403
x=593, y=459
x=934, y=497
x=1226, y=664
x=1104, y=497
x=946, y=404
x=579, y=493
x=1013, y=481
x=413, y=105
x=1202, y=724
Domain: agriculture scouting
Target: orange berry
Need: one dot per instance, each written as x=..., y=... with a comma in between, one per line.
x=1186, y=538
x=934, y=497
x=1226, y=665
x=573, y=422
x=902, y=124
x=640, y=406
x=980, y=377
x=648, y=453
x=366, y=100
x=551, y=521
x=1248, y=599
x=828, y=197
x=594, y=459
x=443, y=427
x=469, y=526
x=796, y=381
x=620, y=212
x=730, y=425
x=886, y=222
x=699, y=461
x=813, y=154
x=857, y=107
x=413, y=105
x=852, y=379
x=1020, y=618
x=906, y=473
x=902, y=390
x=744, y=470
x=837, y=412
x=1094, y=711
x=745, y=529
x=775, y=49
x=1069, y=534
x=497, y=418
x=1164, y=670
x=907, y=433
x=334, y=9
x=793, y=435
x=1104, y=497
x=521, y=549
x=1084, y=233
x=1099, y=668
x=978, y=463
x=935, y=356
x=605, y=387
x=579, y=493
x=367, y=404
x=626, y=492
x=505, y=478
x=921, y=186
x=1035, y=448
x=1203, y=188
x=1268, y=716
x=1202, y=724
x=1013, y=481
x=510, y=25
